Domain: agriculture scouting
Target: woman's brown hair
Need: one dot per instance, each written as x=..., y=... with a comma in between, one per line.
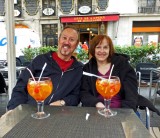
x=98, y=40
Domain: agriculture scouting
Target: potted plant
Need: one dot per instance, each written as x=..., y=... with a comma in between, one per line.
x=30, y=53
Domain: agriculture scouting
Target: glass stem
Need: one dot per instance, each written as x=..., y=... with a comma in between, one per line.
x=40, y=106
x=107, y=103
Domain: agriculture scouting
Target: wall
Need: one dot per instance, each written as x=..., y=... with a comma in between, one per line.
x=120, y=32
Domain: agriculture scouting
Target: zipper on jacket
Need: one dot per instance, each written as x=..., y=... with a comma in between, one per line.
x=58, y=83
x=55, y=89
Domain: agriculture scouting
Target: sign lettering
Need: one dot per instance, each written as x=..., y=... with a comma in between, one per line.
x=3, y=41
x=101, y=18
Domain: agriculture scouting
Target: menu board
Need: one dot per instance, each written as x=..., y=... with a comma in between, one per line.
x=31, y=6
x=102, y=4
x=66, y=5
x=2, y=7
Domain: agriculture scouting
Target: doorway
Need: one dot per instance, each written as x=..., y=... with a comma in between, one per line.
x=84, y=37
x=86, y=30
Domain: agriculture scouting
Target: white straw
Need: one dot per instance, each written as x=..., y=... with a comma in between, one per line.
x=111, y=71
x=90, y=74
x=44, y=66
x=31, y=74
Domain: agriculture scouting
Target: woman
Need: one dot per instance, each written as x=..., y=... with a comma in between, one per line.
x=103, y=57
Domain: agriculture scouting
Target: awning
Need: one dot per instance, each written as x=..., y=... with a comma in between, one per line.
x=89, y=18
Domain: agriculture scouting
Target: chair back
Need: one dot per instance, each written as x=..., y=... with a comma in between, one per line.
x=3, y=85
x=145, y=69
x=22, y=59
x=18, y=62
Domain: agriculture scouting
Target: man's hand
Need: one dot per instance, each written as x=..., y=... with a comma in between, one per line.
x=58, y=103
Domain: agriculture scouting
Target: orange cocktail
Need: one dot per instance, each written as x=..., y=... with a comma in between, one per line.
x=108, y=89
x=40, y=89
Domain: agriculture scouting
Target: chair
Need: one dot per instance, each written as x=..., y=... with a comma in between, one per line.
x=148, y=120
x=144, y=104
x=22, y=59
x=3, y=86
x=18, y=62
x=156, y=92
x=147, y=116
x=143, y=71
x=157, y=86
x=146, y=74
x=157, y=72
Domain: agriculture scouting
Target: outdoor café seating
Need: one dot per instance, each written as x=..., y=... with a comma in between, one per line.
x=157, y=86
x=144, y=78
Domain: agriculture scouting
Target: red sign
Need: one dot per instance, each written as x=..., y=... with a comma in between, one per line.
x=97, y=18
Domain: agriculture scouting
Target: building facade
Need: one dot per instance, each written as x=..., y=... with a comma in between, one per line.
x=127, y=22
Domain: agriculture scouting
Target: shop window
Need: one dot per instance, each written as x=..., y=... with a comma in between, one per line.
x=32, y=6
x=17, y=8
x=2, y=7
x=151, y=3
x=102, y=4
x=50, y=35
x=49, y=8
x=51, y=40
x=66, y=6
x=147, y=6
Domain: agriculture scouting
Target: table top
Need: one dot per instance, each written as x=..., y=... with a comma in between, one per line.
x=71, y=122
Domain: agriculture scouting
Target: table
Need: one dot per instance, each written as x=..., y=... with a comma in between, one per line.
x=71, y=122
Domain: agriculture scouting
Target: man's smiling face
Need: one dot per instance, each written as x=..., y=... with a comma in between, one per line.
x=67, y=43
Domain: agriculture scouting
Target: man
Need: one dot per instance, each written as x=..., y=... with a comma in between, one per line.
x=85, y=46
x=63, y=69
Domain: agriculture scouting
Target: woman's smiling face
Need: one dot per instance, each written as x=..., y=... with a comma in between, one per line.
x=102, y=51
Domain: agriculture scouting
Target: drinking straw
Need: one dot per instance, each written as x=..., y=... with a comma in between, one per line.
x=111, y=72
x=44, y=66
x=90, y=74
x=31, y=74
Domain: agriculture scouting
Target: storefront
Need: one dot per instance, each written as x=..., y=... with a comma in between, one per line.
x=89, y=25
x=148, y=32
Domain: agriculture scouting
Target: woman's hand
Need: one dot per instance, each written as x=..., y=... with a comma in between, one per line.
x=100, y=105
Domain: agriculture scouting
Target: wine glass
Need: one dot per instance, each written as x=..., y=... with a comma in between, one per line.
x=108, y=88
x=40, y=90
